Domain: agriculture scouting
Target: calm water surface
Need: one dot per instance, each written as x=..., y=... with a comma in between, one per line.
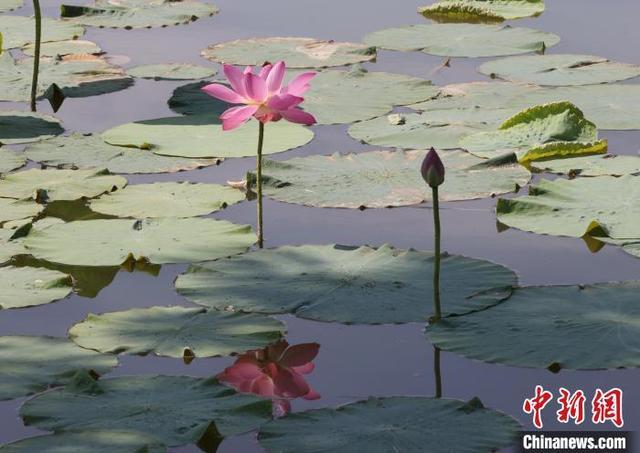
x=354, y=361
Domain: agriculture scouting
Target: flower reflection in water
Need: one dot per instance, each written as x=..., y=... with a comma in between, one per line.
x=275, y=372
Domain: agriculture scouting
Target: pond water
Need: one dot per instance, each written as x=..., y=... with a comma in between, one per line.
x=354, y=361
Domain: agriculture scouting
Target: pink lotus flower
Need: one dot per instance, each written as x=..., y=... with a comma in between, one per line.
x=263, y=95
x=275, y=372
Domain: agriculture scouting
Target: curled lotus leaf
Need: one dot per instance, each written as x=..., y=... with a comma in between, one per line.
x=23, y=127
x=297, y=52
x=380, y=179
x=481, y=11
x=406, y=424
x=176, y=332
x=90, y=151
x=177, y=410
x=55, y=185
x=137, y=13
x=112, y=242
x=351, y=285
x=594, y=324
x=462, y=40
x=547, y=131
x=559, y=69
x=167, y=199
x=33, y=364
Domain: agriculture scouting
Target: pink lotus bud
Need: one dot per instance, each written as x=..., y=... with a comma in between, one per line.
x=432, y=169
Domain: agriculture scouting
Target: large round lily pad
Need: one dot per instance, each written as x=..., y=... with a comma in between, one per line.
x=345, y=284
x=296, y=52
x=441, y=129
x=463, y=40
x=90, y=151
x=594, y=324
x=111, y=242
x=26, y=287
x=379, y=179
x=400, y=424
x=559, y=69
x=167, y=199
x=32, y=364
x=608, y=106
x=17, y=210
x=54, y=185
x=603, y=206
x=202, y=137
x=106, y=441
x=137, y=13
x=22, y=127
x=10, y=161
x=481, y=11
x=546, y=131
x=176, y=409
x=64, y=48
x=335, y=96
x=76, y=75
x=173, y=71
x=18, y=31
x=597, y=165
x=176, y=332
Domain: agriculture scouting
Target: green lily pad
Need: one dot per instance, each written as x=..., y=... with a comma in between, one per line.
x=32, y=364
x=598, y=165
x=17, y=210
x=26, y=287
x=595, y=325
x=176, y=409
x=137, y=13
x=335, y=96
x=111, y=242
x=52, y=185
x=603, y=206
x=89, y=151
x=76, y=75
x=84, y=441
x=9, y=248
x=352, y=285
x=609, y=106
x=10, y=5
x=481, y=11
x=18, y=31
x=200, y=136
x=22, y=127
x=547, y=131
x=10, y=161
x=380, y=179
x=174, y=71
x=463, y=40
x=167, y=199
x=296, y=52
x=64, y=48
x=402, y=424
x=559, y=69
x=441, y=129
x=171, y=331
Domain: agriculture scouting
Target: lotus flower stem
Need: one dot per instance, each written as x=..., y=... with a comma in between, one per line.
x=36, y=54
x=259, y=183
x=436, y=250
x=436, y=371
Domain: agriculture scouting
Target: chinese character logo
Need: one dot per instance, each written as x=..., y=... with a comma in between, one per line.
x=536, y=404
